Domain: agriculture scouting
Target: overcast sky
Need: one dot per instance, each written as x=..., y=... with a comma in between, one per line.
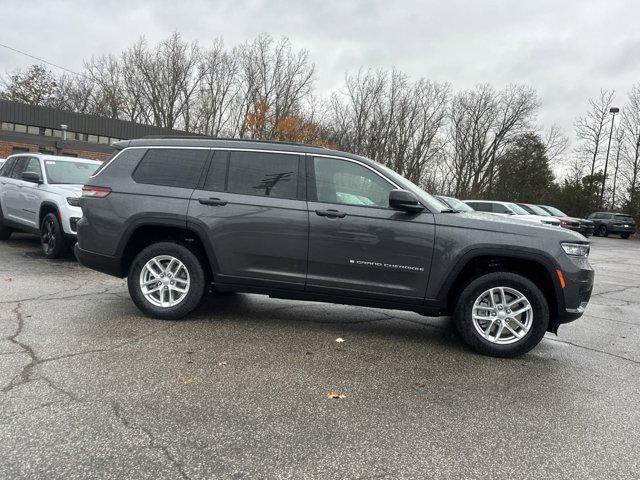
x=566, y=49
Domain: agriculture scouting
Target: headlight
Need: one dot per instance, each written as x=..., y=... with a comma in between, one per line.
x=576, y=249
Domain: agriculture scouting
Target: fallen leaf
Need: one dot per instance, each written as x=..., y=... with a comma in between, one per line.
x=222, y=364
x=335, y=395
x=420, y=385
x=340, y=340
x=189, y=381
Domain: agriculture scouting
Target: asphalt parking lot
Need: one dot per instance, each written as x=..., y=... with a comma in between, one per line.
x=91, y=389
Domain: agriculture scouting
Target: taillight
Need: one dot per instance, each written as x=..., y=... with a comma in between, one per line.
x=95, y=192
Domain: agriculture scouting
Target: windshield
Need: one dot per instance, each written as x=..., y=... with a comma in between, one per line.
x=556, y=212
x=69, y=171
x=539, y=211
x=517, y=209
x=458, y=204
x=412, y=187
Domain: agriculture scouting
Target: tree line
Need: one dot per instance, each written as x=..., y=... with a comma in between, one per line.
x=480, y=142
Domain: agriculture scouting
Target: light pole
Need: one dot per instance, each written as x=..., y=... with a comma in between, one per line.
x=612, y=110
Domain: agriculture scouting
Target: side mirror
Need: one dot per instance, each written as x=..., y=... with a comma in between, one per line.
x=32, y=177
x=405, y=201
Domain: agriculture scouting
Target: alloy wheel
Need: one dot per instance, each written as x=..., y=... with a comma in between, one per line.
x=165, y=281
x=502, y=315
x=48, y=236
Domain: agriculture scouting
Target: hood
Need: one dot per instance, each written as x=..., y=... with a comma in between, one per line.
x=65, y=190
x=507, y=224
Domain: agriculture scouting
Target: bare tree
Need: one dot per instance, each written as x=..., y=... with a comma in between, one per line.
x=482, y=123
x=556, y=143
x=631, y=154
x=591, y=131
x=36, y=86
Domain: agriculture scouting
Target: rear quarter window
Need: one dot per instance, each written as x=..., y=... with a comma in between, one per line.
x=171, y=167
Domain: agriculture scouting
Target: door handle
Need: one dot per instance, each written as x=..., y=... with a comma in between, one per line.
x=330, y=213
x=212, y=201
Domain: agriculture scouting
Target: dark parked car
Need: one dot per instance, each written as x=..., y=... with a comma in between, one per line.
x=587, y=227
x=609, y=222
x=180, y=215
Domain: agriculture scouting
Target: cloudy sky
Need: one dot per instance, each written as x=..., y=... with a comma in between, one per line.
x=566, y=49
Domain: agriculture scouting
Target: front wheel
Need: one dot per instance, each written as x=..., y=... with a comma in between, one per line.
x=52, y=238
x=166, y=280
x=602, y=231
x=501, y=314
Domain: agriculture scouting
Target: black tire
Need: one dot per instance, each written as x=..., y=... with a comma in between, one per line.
x=197, y=279
x=624, y=235
x=5, y=232
x=602, y=231
x=464, y=323
x=52, y=240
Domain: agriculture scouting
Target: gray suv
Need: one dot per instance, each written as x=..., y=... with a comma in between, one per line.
x=177, y=216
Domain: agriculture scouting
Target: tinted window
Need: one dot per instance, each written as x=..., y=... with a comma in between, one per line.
x=21, y=166
x=348, y=183
x=217, y=175
x=171, y=167
x=6, y=168
x=498, y=208
x=481, y=206
x=623, y=218
x=264, y=174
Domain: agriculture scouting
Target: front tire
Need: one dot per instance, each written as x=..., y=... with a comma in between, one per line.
x=166, y=281
x=501, y=314
x=602, y=231
x=52, y=239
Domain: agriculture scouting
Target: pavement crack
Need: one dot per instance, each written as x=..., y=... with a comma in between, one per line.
x=25, y=375
x=594, y=350
x=153, y=442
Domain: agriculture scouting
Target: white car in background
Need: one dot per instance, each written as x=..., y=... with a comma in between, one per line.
x=38, y=195
x=508, y=208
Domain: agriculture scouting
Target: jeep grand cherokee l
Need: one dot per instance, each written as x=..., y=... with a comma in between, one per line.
x=37, y=195
x=618, y=223
x=177, y=215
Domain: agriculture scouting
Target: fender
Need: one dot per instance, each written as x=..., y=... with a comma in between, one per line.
x=48, y=203
x=515, y=252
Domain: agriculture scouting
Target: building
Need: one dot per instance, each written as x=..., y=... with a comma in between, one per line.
x=31, y=128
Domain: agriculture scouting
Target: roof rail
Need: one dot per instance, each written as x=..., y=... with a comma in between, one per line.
x=225, y=139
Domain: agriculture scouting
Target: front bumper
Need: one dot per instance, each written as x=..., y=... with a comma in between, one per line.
x=587, y=229
x=577, y=291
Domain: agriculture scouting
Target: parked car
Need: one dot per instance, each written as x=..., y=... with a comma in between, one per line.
x=455, y=204
x=178, y=215
x=508, y=208
x=33, y=198
x=609, y=222
x=586, y=226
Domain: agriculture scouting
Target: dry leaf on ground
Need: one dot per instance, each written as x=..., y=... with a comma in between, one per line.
x=336, y=395
x=340, y=340
x=189, y=381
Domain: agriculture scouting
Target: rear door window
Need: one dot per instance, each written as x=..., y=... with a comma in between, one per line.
x=5, y=171
x=171, y=167
x=263, y=174
x=623, y=218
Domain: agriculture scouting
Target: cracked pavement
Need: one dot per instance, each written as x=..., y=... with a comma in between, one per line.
x=92, y=389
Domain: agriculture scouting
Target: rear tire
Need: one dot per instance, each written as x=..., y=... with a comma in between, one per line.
x=493, y=327
x=166, y=281
x=602, y=231
x=624, y=235
x=52, y=239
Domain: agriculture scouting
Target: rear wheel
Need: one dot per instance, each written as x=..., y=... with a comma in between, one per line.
x=52, y=238
x=166, y=280
x=602, y=231
x=501, y=314
x=624, y=235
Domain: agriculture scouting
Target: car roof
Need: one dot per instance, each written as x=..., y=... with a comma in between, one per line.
x=59, y=158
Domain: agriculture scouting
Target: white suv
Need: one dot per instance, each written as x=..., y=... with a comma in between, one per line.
x=37, y=195
x=508, y=208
